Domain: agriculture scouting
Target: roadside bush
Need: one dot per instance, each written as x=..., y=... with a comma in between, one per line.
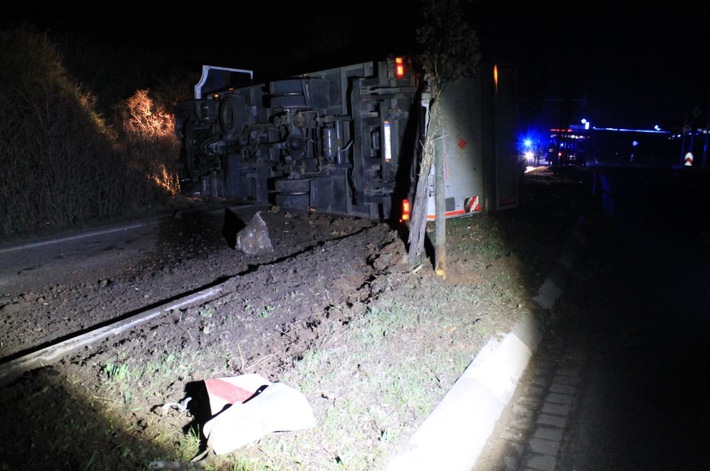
x=145, y=137
x=63, y=162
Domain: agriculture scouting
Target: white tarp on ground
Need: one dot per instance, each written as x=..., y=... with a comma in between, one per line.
x=247, y=407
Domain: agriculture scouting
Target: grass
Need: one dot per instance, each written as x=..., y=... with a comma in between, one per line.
x=117, y=373
x=367, y=396
x=480, y=239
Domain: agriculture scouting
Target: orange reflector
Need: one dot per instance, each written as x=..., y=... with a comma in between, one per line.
x=399, y=67
x=406, y=210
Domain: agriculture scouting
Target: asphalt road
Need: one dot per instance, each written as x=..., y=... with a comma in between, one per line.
x=35, y=263
x=642, y=404
x=84, y=253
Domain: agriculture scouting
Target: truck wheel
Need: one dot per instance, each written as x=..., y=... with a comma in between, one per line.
x=230, y=115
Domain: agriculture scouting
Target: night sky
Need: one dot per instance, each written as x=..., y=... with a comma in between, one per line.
x=619, y=64
x=631, y=65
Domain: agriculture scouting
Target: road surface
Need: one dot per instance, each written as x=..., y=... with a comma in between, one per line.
x=618, y=381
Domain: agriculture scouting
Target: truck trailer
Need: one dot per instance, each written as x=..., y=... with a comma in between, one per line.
x=348, y=140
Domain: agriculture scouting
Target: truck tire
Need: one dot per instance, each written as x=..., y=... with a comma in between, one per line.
x=231, y=115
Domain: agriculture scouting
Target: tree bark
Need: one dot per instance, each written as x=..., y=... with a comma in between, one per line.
x=417, y=229
x=440, y=206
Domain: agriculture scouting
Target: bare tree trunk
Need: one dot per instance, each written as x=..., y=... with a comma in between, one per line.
x=417, y=229
x=452, y=52
x=440, y=205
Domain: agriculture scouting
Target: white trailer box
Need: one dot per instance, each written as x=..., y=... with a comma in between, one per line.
x=482, y=163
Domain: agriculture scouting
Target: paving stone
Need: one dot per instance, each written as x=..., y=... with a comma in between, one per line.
x=556, y=409
x=554, y=420
x=549, y=433
x=546, y=447
x=540, y=462
x=556, y=398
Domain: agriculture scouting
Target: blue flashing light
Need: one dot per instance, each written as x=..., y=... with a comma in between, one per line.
x=651, y=131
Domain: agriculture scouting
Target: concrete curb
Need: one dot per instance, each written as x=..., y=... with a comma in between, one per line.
x=455, y=433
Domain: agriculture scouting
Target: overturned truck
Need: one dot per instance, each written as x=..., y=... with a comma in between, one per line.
x=347, y=140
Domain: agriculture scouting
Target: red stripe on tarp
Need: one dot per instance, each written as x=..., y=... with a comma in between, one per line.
x=227, y=391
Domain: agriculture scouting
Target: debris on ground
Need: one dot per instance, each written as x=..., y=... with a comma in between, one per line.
x=254, y=238
x=247, y=407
